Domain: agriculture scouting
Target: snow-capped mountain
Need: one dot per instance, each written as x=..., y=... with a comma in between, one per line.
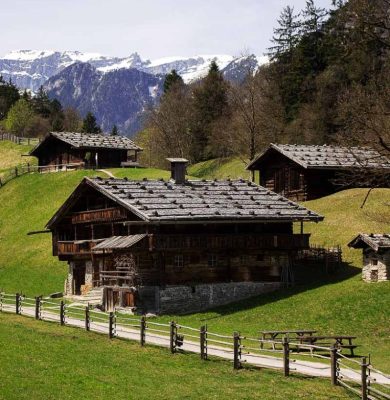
x=118, y=90
x=30, y=69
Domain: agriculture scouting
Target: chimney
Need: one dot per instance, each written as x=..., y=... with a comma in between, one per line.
x=178, y=169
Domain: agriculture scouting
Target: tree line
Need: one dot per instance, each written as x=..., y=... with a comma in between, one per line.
x=27, y=115
x=327, y=81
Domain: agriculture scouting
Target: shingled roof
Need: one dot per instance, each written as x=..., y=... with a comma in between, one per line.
x=310, y=156
x=199, y=201
x=92, y=140
x=376, y=241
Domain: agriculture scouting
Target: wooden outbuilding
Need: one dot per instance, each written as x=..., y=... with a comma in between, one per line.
x=178, y=245
x=307, y=172
x=376, y=256
x=85, y=150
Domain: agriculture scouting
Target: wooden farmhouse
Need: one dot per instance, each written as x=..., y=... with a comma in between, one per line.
x=85, y=150
x=302, y=172
x=376, y=256
x=176, y=246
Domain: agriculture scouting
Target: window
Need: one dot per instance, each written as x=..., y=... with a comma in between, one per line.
x=294, y=179
x=374, y=261
x=279, y=182
x=212, y=261
x=178, y=260
x=260, y=257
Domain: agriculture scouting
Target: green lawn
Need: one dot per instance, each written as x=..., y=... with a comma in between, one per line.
x=46, y=361
x=11, y=155
x=220, y=168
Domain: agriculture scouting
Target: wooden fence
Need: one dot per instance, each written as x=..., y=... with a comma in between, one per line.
x=331, y=257
x=19, y=139
x=235, y=347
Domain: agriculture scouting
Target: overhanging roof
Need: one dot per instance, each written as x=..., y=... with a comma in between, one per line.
x=118, y=242
x=326, y=157
x=90, y=141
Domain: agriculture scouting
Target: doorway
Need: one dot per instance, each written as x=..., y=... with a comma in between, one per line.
x=79, y=277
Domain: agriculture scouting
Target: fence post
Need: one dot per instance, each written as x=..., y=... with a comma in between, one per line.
x=364, y=378
x=17, y=303
x=172, y=337
x=142, y=331
x=16, y=171
x=236, y=350
x=87, y=319
x=62, y=313
x=286, y=357
x=333, y=365
x=203, y=342
x=1, y=300
x=28, y=167
x=37, y=307
x=111, y=325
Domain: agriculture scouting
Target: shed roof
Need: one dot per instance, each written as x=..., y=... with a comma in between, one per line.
x=331, y=157
x=119, y=242
x=197, y=201
x=374, y=240
x=91, y=140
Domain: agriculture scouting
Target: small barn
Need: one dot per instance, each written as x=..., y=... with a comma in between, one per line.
x=376, y=255
x=303, y=172
x=85, y=150
x=177, y=245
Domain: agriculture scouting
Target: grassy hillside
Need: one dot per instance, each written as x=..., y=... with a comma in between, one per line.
x=335, y=304
x=11, y=155
x=46, y=361
x=220, y=168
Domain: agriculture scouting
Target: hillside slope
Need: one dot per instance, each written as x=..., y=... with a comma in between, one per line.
x=220, y=168
x=11, y=155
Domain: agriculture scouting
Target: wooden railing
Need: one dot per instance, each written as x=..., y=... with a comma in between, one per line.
x=17, y=139
x=254, y=241
x=75, y=247
x=105, y=214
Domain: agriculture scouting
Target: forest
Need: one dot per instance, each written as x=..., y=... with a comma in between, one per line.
x=327, y=82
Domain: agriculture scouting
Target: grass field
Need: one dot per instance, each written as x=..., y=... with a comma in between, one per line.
x=220, y=168
x=335, y=304
x=11, y=155
x=46, y=361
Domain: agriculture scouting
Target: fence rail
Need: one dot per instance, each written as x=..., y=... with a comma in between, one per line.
x=18, y=139
x=357, y=376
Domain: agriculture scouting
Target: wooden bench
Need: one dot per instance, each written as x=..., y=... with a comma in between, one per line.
x=274, y=335
x=335, y=340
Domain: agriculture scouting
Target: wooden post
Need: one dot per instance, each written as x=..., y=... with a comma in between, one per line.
x=172, y=337
x=62, y=313
x=17, y=303
x=87, y=318
x=37, y=307
x=142, y=331
x=333, y=365
x=364, y=366
x=28, y=167
x=286, y=357
x=111, y=325
x=203, y=342
x=16, y=171
x=236, y=350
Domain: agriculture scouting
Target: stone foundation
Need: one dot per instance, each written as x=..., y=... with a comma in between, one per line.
x=189, y=299
x=376, y=267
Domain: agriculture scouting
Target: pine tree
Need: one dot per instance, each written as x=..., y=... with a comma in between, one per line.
x=114, y=131
x=313, y=18
x=210, y=104
x=172, y=79
x=9, y=95
x=41, y=103
x=286, y=35
x=90, y=125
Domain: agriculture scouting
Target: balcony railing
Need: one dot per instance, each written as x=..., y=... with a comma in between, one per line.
x=105, y=214
x=76, y=246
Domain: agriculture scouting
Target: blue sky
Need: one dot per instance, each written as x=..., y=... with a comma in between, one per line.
x=153, y=28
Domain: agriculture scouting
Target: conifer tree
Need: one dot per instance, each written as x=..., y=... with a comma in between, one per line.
x=171, y=79
x=114, y=131
x=9, y=95
x=90, y=125
x=41, y=103
x=210, y=104
x=286, y=35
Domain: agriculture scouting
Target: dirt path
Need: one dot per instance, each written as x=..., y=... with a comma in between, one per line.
x=106, y=172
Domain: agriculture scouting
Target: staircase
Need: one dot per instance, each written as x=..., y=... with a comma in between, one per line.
x=93, y=297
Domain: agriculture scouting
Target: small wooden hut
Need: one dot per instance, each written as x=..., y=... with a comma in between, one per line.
x=86, y=150
x=376, y=256
x=302, y=172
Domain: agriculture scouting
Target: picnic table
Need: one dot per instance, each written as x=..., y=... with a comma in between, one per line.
x=337, y=340
x=273, y=335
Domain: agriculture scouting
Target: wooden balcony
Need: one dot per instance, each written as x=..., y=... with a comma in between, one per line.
x=215, y=242
x=105, y=214
x=74, y=247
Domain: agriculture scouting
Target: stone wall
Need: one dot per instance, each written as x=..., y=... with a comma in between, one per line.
x=68, y=285
x=379, y=270
x=188, y=299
